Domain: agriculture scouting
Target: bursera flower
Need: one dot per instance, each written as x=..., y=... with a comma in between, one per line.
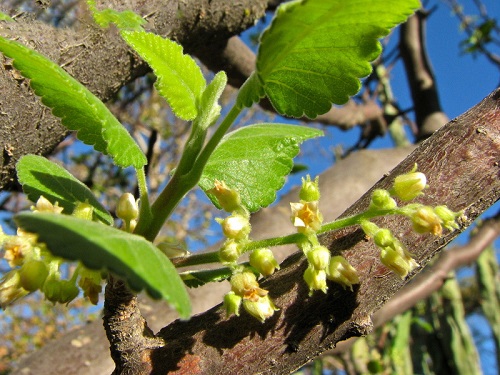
x=306, y=216
x=410, y=185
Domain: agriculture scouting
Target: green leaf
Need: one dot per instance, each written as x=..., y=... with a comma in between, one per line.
x=315, y=51
x=126, y=20
x=254, y=160
x=99, y=247
x=194, y=279
x=40, y=176
x=209, y=103
x=77, y=107
x=179, y=79
x=5, y=17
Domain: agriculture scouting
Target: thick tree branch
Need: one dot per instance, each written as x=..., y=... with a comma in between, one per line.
x=102, y=61
x=423, y=87
x=461, y=162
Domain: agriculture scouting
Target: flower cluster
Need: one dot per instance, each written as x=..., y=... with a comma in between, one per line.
x=35, y=268
x=425, y=219
x=307, y=218
x=245, y=289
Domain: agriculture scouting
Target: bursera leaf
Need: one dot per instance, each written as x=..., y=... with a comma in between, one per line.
x=315, y=51
x=40, y=176
x=254, y=160
x=77, y=107
x=100, y=247
x=179, y=79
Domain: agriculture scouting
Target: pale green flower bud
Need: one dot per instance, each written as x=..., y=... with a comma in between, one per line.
x=62, y=291
x=425, y=220
x=410, y=185
x=263, y=261
x=369, y=228
x=315, y=280
x=400, y=262
x=33, y=274
x=232, y=303
x=448, y=217
x=172, y=249
x=228, y=199
x=236, y=227
x=90, y=282
x=381, y=199
x=127, y=208
x=319, y=257
x=83, y=211
x=262, y=308
x=11, y=289
x=44, y=205
x=230, y=251
x=341, y=272
x=384, y=238
x=309, y=191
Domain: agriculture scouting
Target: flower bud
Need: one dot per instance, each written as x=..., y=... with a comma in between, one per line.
x=309, y=191
x=319, y=257
x=230, y=251
x=262, y=308
x=384, y=238
x=232, y=303
x=236, y=227
x=448, y=217
x=11, y=289
x=425, y=220
x=400, y=262
x=263, y=261
x=90, y=282
x=315, y=280
x=83, y=211
x=341, y=272
x=44, y=205
x=369, y=228
x=172, y=249
x=62, y=291
x=381, y=199
x=228, y=199
x=410, y=185
x=245, y=285
x=33, y=274
x=127, y=208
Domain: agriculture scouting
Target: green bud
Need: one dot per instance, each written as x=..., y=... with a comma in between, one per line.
x=310, y=189
x=263, y=261
x=127, y=208
x=425, y=220
x=448, y=217
x=228, y=199
x=341, y=272
x=262, y=308
x=319, y=257
x=33, y=274
x=83, y=211
x=236, y=227
x=230, y=251
x=400, y=262
x=381, y=199
x=232, y=303
x=315, y=280
x=384, y=238
x=62, y=291
x=244, y=282
x=369, y=228
x=410, y=185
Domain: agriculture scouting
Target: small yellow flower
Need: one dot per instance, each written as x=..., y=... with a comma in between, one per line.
x=318, y=257
x=16, y=248
x=425, y=220
x=263, y=261
x=410, y=185
x=315, y=279
x=245, y=285
x=306, y=217
x=399, y=262
x=44, y=205
x=341, y=272
x=260, y=308
x=11, y=289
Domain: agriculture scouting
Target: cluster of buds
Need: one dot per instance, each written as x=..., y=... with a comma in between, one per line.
x=425, y=219
x=307, y=218
x=34, y=268
x=245, y=289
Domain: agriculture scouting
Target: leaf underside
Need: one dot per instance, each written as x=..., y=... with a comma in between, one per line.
x=315, y=51
x=254, y=160
x=77, y=107
x=99, y=247
x=40, y=176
